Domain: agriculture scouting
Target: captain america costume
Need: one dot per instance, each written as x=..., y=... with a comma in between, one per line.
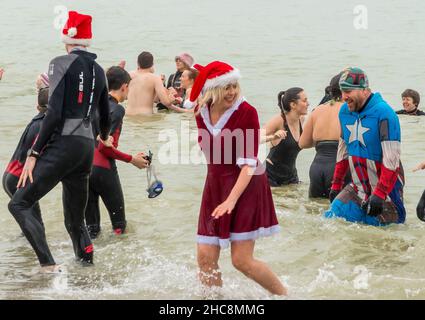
x=370, y=147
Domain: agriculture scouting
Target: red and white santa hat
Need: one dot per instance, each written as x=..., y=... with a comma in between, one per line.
x=214, y=74
x=77, y=29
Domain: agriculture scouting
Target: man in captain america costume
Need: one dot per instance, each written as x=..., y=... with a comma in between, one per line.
x=370, y=147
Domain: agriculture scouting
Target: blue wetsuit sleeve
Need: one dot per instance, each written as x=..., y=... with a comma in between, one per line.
x=53, y=116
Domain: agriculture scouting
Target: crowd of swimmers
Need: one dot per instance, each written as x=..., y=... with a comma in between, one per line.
x=74, y=139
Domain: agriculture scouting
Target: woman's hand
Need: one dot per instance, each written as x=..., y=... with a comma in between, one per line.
x=225, y=207
x=280, y=134
x=108, y=142
x=27, y=172
x=420, y=166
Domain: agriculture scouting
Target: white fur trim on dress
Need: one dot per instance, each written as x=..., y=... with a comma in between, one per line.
x=243, y=161
x=251, y=235
x=215, y=130
x=223, y=80
x=68, y=40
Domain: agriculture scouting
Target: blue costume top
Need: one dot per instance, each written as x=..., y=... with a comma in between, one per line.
x=370, y=147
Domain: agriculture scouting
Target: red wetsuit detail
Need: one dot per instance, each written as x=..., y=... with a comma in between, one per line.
x=15, y=167
x=341, y=169
x=89, y=248
x=113, y=152
x=386, y=182
x=105, y=156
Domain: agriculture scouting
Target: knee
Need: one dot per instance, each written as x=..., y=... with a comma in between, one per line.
x=14, y=206
x=241, y=263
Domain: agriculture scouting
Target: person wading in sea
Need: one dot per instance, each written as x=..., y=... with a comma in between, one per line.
x=64, y=148
x=237, y=206
x=145, y=87
x=370, y=147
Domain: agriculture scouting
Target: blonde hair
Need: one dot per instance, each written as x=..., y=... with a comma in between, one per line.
x=215, y=95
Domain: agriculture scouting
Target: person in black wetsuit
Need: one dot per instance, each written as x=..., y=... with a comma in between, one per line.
x=16, y=164
x=420, y=209
x=285, y=130
x=322, y=130
x=184, y=61
x=411, y=99
x=104, y=180
x=63, y=151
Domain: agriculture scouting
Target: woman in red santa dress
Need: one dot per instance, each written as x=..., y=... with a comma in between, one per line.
x=237, y=205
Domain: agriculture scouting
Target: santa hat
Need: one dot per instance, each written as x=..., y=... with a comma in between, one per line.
x=77, y=29
x=214, y=74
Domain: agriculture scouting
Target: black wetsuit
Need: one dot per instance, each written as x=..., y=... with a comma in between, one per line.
x=416, y=112
x=16, y=164
x=420, y=209
x=174, y=81
x=104, y=180
x=67, y=144
x=322, y=169
x=283, y=156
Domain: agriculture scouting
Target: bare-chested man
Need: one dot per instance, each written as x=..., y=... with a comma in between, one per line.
x=145, y=87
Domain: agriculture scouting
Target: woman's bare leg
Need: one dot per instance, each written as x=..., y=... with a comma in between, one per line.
x=209, y=273
x=243, y=260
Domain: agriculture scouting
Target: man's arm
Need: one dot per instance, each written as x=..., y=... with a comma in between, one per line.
x=104, y=117
x=113, y=152
x=341, y=166
x=55, y=106
x=162, y=93
x=389, y=128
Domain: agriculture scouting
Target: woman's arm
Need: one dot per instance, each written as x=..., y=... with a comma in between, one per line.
x=274, y=130
x=306, y=139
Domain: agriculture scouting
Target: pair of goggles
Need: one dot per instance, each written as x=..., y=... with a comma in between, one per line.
x=154, y=188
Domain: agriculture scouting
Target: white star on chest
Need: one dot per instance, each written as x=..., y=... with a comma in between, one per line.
x=357, y=131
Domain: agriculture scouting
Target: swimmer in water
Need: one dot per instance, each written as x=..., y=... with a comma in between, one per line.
x=411, y=99
x=286, y=127
x=145, y=87
x=322, y=131
x=370, y=148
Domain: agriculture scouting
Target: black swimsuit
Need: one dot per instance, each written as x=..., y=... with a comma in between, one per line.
x=283, y=156
x=420, y=209
x=322, y=168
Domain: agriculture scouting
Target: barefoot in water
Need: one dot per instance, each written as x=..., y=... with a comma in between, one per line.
x=51, y=269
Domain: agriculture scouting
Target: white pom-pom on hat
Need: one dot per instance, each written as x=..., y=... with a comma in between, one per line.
x=72, y=32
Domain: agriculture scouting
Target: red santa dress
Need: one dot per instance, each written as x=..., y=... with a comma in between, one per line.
x=229, y=144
